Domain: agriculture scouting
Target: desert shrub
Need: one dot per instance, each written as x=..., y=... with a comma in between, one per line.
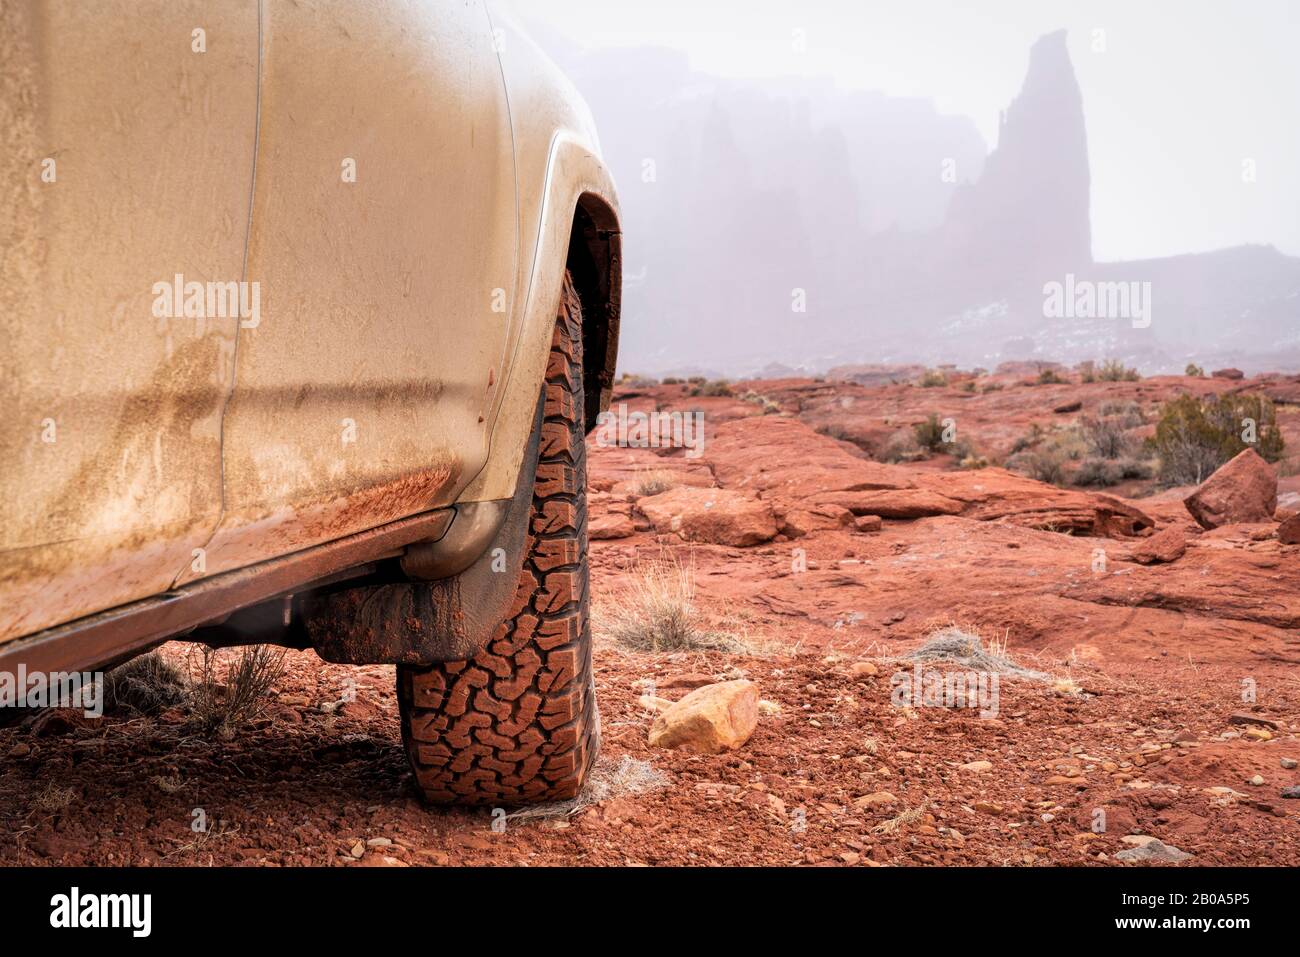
x=1029, y=439
x=967, y=385
x=769, y=406
x=1087, y=371
x=1196, y=436
x=671, y=380
x=1050, y=376
x=988, y=387
x=1129, y=413
x=1194, y=370
x=1044, y=464
x=718, y=388
x=929, y=434
x=221, y=703
x=696, y=380
x=932, y=379
x=1101, y=473
x=1106, y=435
x=1098, y=473
x=144, y=685
x=902, y=447
x=634, y=381
x=971, y=462
x=1113, y=370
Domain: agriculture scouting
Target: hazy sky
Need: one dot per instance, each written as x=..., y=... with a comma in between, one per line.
x=1183, y=93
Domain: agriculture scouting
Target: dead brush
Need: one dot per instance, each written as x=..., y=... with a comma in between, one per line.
x=144, y=685
x=653, y=482
x=53, y=798
x=657, y=612
x=221, y=704
x=901, y=820
x=955, y=645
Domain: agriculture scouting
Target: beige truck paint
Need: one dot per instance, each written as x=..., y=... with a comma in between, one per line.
x=110, y=446
x=362, y=394
x=557, y=154
x=411, y=309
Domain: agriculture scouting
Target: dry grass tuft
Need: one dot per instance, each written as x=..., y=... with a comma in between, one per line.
x=657, y=612
x=654, y=481
x=910, y=816
x=53, y=798
x=144, y=685
x=966, y=648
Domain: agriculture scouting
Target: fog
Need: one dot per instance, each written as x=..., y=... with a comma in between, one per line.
x=823, y=183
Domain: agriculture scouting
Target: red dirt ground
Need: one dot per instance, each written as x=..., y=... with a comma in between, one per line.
x=1148, y=664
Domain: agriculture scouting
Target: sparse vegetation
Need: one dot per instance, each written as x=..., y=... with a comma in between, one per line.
x=656, y=612
x=1103, y=473
x=1196, y=436
x=634, y=381
x=1050, y=376
x=1194, y=371
x=221, y=704
x=718, y=388
x=1113, y=370
x=902, y=447
x=1087, y=371
x=653, y=482
x=769, y=406
x=1044, y=465
x=53, y=798
x=966, y=647
x=1106, y=435
x=144, y=685
x=1129, y=413
x=929, y=434
x=932, y=379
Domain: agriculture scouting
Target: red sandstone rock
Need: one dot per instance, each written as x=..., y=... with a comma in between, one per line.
x=1168, y=545
x=1288, y=533
x=713, y=515
x=1243, y=490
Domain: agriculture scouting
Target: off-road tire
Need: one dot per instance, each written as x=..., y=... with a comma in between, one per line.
x=518, y=723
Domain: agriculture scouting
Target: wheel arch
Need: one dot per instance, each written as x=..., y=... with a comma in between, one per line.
x=595, y=261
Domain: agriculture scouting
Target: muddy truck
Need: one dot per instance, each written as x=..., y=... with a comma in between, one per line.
x=307, y=309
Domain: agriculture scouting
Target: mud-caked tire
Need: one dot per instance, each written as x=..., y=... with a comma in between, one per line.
x=517, y=723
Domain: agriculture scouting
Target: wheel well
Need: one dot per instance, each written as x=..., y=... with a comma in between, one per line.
x=595, y=262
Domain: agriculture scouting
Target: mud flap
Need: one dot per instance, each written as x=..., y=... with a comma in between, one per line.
x=415, y=623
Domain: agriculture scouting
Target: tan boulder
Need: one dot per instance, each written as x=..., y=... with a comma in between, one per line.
x=709, y=720
x=1243, y=490
x=713, y=515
